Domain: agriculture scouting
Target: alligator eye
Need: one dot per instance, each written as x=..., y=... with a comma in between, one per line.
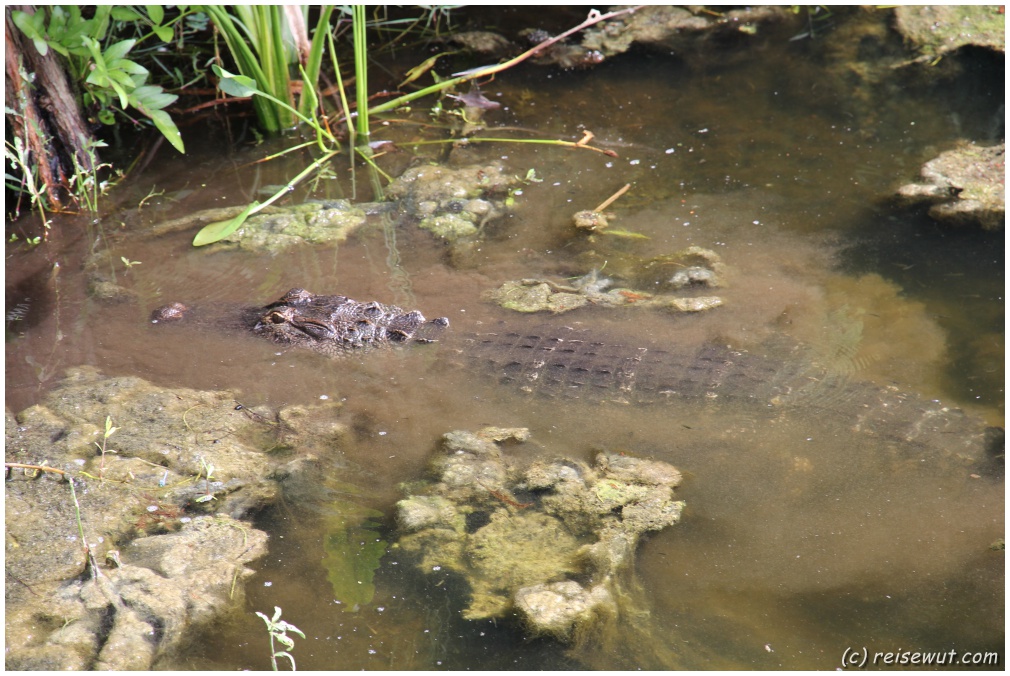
x=373, y=310
x=276, y=318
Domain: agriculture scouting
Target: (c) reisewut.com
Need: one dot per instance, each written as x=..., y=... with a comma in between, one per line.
x=862, y=657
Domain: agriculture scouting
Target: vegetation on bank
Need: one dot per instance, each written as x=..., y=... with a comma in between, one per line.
x=113, y=67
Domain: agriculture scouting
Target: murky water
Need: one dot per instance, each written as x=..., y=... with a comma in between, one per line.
x=799, y=540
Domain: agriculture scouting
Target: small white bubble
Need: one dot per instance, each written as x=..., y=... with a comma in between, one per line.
x=324, y=397
x=670, y=151
x=268, y=583
x=634, y=162
x=152, y=508
x=436, y=568
x=382, y=434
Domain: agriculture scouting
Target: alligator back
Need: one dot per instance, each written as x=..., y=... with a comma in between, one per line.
x=563, y=361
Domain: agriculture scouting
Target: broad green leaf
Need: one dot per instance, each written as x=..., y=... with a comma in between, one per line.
x=164, y=33
x=123, y=79
x=99, y=25
x=151, y=97
x=122, y=13
x=149, y=100
x=235, y=85
x=215, y=232
x=32, y=25
x=167, y=127
x=124, y=98
x=94, y=49
x=127, y=66
x=118, y=50
x=156, y=13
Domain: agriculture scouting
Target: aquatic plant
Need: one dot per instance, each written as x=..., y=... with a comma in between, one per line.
x=278, y=630
x=109, y=431
x=354, y=551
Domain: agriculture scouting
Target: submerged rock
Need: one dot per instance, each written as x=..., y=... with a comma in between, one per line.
x=163, y=550
x=312, y=223
x=556, y=607
x=965, y=185
x=551, y=540
x=676, y=29
x=935, y=30
x=453, y=203
x=537, y=295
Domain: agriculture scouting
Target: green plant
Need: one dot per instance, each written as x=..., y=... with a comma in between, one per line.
x=109, y=431
x=18, y=156
x=278, y=630
x=327, y=143
x=84, y=183
x=266, y=41
x=208, y=475
x=240, y=85
x=80, y=525
x=104, y=70
x=363, y=133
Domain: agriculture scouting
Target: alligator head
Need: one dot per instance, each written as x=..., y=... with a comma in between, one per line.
x=328, y=324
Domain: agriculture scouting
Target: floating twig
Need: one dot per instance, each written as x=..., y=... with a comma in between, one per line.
x=613, y=198
x=19, y=465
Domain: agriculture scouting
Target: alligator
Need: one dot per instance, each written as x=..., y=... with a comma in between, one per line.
x=562, y=360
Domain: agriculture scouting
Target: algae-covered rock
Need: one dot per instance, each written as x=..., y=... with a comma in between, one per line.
x=129, y=615
x=676, y=28
x=536, y=295
x=553, y=540
x=162, y=551
x=449, y=226
x=453, y=202
x=938, y=29
x=965, y=185
x=311, y=223
x=556, y=608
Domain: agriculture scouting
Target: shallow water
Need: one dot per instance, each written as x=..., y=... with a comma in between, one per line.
x=799, y=540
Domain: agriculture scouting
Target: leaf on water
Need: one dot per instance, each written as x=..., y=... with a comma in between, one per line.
x=215, y=232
